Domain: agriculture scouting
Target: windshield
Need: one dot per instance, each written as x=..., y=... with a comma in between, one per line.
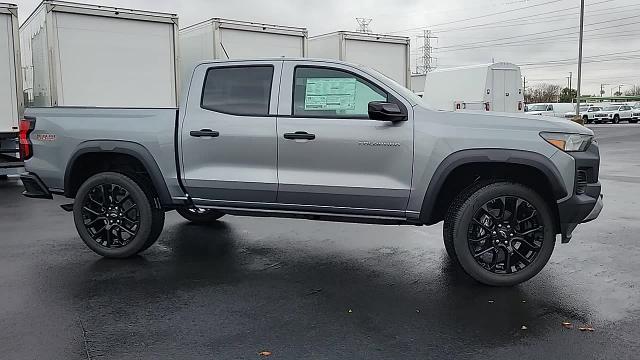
x=399, y=88
x=611, y=108
x=584, y=108
x=540, y=107
x=594, y=109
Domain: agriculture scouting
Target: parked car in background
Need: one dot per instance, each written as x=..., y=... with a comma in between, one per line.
x=550, y=109
x=587, y=112
x=636, y=113
x=270, y=138
x=615, y=113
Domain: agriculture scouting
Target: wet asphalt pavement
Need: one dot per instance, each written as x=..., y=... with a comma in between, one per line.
x=317, y=290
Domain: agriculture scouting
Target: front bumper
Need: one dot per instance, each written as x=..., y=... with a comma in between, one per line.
x=34, y=187
x=586, y=203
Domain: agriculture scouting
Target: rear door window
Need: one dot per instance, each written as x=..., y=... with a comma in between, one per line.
x=241, y=90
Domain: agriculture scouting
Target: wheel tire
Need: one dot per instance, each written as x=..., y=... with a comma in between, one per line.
x=616, y=119
x=150, y=216
x=200, y=216
x=586, y=119
x=460, y=217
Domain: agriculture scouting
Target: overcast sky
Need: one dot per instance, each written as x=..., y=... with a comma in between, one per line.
x=521, y=31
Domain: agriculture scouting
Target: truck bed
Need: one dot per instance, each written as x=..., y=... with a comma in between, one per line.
x=60, y=132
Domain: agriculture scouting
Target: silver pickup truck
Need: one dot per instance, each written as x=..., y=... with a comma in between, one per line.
x=323, y=140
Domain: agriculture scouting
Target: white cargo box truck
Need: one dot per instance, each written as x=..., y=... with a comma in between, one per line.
x=389, y=55
x=222, y=39
x=11, y=108
x=489, y=87
x=87, y=55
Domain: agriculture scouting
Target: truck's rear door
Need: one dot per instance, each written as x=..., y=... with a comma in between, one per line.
x=228, y=133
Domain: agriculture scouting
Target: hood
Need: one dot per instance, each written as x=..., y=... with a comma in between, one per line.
x=513, y=121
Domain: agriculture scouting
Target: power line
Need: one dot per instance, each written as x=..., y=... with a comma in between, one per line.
x=536, y=33
x=483, y=16
x=515, y=22
x=461, y=48
x=569, y=38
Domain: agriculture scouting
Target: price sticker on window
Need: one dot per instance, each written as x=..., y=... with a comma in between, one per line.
x=330, y=94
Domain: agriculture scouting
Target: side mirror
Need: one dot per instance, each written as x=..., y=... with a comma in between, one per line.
x=384, y=111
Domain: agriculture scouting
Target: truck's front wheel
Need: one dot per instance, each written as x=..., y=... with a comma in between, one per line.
x=115, y=217
x=501, y=233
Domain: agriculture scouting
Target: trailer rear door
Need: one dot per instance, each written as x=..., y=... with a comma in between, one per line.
x=499, y=90
x=8, y=95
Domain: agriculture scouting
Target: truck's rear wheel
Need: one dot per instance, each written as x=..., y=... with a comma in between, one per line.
x=199, y=216
x=115, y=217
x=501, y=233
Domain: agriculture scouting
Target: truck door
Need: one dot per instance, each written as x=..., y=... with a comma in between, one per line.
x=228, y=133
x=331, y=157
x=499, y=90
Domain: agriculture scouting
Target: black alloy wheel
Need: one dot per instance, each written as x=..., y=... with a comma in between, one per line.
x=499, y=232
x=506, y=235
x=117, y=216
x=110, y=215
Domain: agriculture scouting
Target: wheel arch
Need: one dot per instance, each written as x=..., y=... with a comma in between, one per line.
x=487, y=162
x=116, y=148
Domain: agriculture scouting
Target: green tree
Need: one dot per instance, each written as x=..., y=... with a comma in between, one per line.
x=568, y=95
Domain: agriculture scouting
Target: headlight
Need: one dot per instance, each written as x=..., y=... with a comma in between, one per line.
x=568, y=142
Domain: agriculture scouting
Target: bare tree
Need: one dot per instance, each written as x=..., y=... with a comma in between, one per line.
x=634, y=91
x=543, y=93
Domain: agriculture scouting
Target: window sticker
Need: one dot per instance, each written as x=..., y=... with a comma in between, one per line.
x=330, y=94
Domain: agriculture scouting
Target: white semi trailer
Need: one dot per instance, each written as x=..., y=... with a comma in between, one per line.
x=389, y=55
x=11, y=106
x=87, y=55
x=223, y=39
x=488, y=87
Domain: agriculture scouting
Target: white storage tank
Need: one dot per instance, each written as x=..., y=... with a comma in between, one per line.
x=10, y=81
x=487, y=87
x=216, y=39
x=88, y=55
x=390, y=55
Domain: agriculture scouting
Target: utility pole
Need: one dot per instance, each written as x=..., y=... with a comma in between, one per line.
x=580, y=58
x=602, y=92
x=426, y=61
x=570, y=80
x=524, y=87
x=363, y=25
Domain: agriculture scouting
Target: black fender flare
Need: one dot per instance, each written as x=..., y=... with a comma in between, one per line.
x=464, y=157
x=121, y=147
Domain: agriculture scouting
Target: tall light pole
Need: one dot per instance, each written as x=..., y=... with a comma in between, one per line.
x=580, y=58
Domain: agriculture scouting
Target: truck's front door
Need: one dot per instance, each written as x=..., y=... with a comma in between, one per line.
x=228, y=133
x=331, y=157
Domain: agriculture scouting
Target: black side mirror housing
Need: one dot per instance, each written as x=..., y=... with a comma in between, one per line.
x=385, y=111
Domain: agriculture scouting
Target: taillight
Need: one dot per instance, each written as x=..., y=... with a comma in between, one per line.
x=487, y=107
x=26, y=126
x=519, y=105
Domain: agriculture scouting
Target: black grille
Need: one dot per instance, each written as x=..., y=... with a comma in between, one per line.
x=581, y=182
